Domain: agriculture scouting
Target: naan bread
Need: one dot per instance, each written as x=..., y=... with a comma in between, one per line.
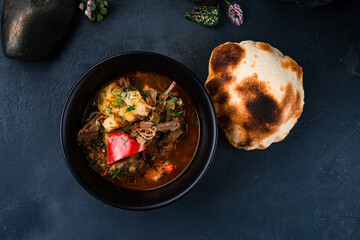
x=257, y=93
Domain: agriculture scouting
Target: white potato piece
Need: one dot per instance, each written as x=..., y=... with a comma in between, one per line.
x=135, y=103
x=109, y=99
x=110, y=124
x=125, y=115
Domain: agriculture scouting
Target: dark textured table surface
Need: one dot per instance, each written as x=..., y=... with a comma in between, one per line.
x=306, y=187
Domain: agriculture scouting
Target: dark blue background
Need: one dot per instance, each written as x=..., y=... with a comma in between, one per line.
x=306, y=187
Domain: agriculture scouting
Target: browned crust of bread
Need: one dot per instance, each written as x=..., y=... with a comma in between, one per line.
x=264, y=46
x=292, y=66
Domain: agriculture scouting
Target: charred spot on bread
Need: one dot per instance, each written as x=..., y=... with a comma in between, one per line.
x=226, y=55
x=291, y=101
x=213, y=86
x=296, y=108
x=224, y=121
x=264, y=46
x=263, y=110
x=290, y=64
x=222, y=97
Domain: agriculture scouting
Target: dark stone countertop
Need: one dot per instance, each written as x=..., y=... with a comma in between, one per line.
x=306, y=187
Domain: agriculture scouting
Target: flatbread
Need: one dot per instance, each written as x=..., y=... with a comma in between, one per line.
x=257, y=93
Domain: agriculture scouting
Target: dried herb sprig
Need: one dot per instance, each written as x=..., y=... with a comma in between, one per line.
x=94, y=9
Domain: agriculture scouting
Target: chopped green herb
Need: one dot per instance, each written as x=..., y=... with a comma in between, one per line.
x=172, y=100
x=119, y=173
x=172, y=115
x=146, y=94
x=124, y=95
x=130, y=108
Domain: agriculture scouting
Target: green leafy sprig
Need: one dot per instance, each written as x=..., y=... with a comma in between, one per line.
x=207, y=16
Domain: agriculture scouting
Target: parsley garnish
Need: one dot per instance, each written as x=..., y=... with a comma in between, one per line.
x=172, y=100
x=172, y=115
x=116, y=173
x=146, y=94
x=130, y=108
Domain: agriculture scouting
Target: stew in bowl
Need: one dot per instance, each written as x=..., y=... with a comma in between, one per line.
x=172, y=135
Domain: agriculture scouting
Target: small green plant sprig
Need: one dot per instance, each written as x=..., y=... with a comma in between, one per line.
x=207, y=16
x=94, y=9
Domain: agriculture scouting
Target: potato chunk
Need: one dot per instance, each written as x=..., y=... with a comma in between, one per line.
x=124, y=114
x=109, y=99
x=110, y=124
x=135, y=103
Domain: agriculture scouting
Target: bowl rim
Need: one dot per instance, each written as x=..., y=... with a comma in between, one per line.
x=213, y=119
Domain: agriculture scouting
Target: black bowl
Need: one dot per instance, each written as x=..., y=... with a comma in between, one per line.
x=89, y=84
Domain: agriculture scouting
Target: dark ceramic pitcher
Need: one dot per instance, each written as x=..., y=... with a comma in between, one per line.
x=30, y=29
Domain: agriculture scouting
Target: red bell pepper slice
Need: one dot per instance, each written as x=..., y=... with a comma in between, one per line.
x=120, y=146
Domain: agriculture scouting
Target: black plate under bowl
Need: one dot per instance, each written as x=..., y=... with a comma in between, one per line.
x=89, y=84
